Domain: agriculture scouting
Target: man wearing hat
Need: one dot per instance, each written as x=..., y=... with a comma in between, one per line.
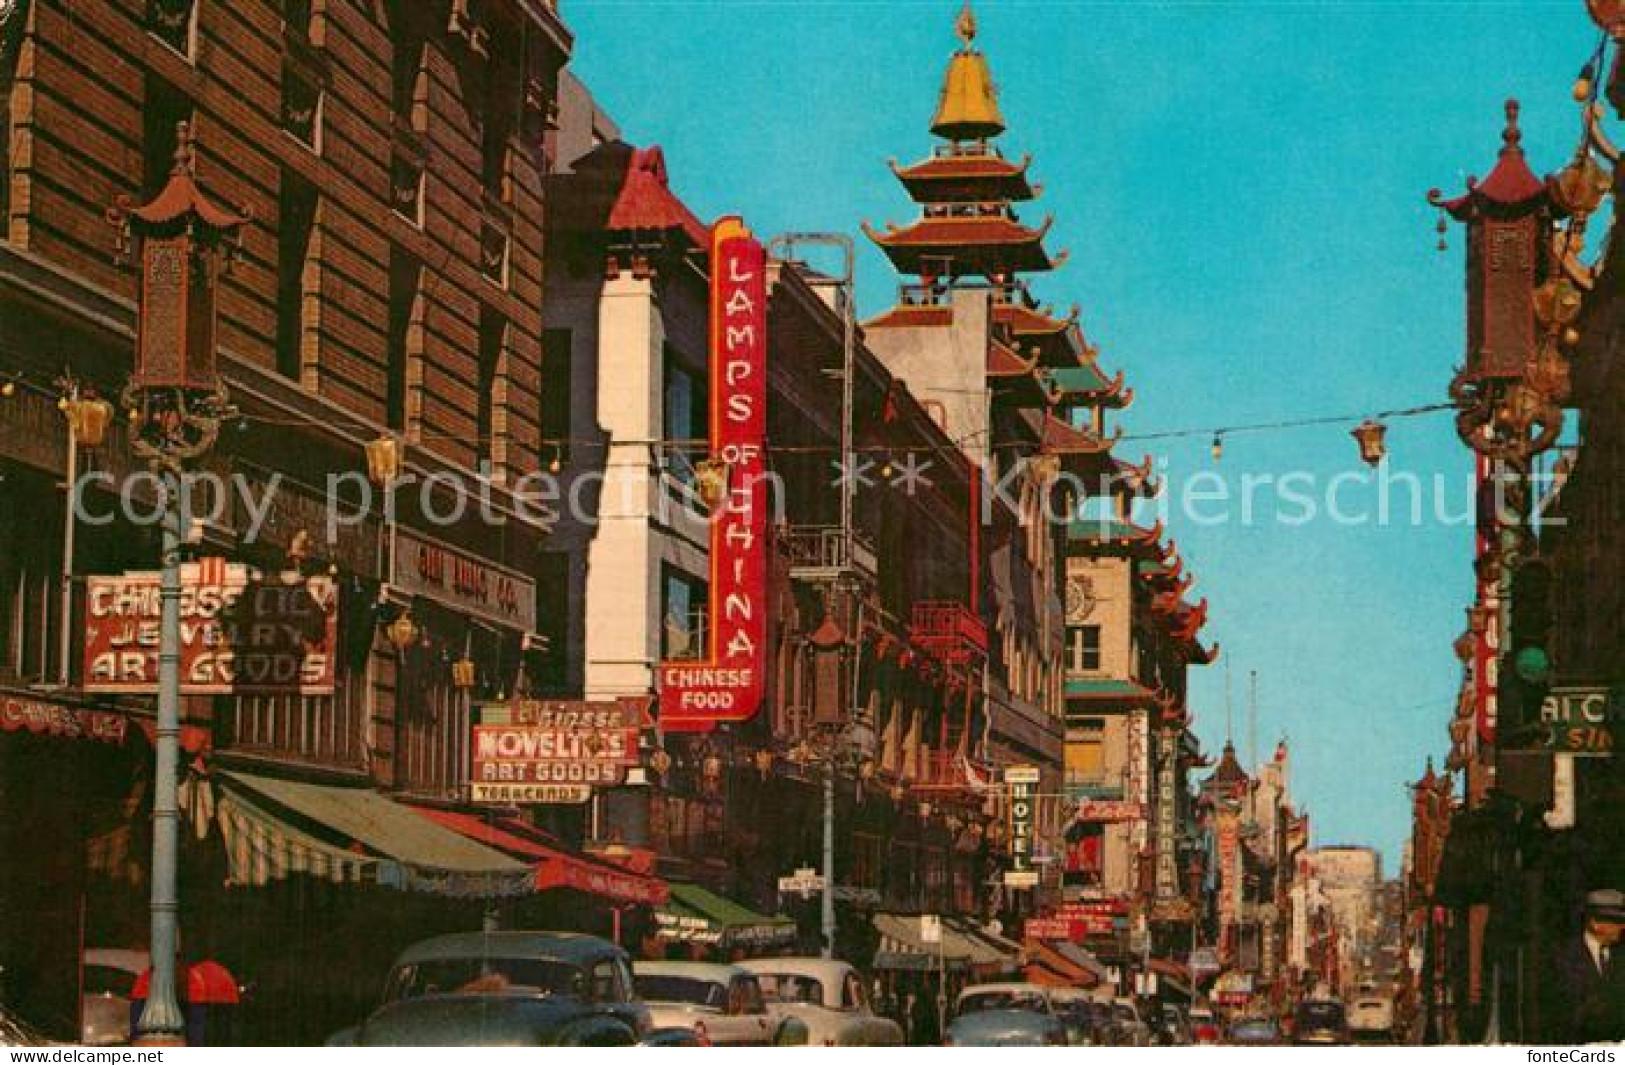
x=1588, y=986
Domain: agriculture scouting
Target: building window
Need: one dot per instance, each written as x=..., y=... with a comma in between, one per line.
x=1084, y=648
x=405, y=366
x=296, y=19
x=409, y=105
x=683, y=615
x=302, y=106
x=491, y=417
x=1086, y=753
x=494, y=251
x=13, y=18
x=165, y=109
x=684, y=409
x=175, y=23
x=557, y=385
x=295, y=222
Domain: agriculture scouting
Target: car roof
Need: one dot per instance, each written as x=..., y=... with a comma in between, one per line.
x=694, y=970
x=1006, y=985
x=573, y=947
x=815, y=968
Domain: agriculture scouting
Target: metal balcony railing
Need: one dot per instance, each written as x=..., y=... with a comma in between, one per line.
x=820, y=553
x=948, y=630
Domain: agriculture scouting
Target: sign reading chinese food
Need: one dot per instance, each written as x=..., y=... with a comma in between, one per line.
x=726, y=684
x=241, y=633
x=553, y=751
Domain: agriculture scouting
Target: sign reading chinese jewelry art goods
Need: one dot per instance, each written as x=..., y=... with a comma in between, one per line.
x=241, y=633
x=463, y=582
x=1021, y=780
x=553, y=751
x=726, y=685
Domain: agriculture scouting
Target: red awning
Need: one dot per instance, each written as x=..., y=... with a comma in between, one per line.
x=554, y=866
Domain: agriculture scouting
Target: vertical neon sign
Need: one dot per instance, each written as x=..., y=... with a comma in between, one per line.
x=727, y=684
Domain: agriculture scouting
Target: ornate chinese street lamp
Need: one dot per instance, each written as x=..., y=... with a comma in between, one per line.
x=176, y=401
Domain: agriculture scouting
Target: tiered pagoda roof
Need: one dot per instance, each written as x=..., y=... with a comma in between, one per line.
x=969, y=234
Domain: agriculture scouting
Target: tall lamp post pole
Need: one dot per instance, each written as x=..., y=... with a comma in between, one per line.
x=182, y=241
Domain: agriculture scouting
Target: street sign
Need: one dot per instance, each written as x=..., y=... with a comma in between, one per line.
x=802, y=882
x=1014, y=878
x=1021, y=774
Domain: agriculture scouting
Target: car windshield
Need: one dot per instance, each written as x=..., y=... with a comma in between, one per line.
x=689, y=989
x=1320, y=1013
x=791, y=987
x=487, y=976
x=1001, y=1000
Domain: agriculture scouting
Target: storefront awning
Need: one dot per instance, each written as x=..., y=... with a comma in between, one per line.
x=1048, y=963
x=695, y=915
x=383, y=841
x=554, y=867
x=902, y=948
x=984, y=949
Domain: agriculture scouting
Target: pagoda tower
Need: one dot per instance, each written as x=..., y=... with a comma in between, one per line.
x=1011, y=378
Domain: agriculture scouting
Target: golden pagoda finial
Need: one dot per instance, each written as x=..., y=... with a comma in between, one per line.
x=966, y=24
x=969, y=107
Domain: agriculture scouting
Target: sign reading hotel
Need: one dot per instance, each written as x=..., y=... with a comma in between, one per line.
x=464, y=583
x=240, y=633
x=553, y=751
x=726, y=685
x=1021, y=780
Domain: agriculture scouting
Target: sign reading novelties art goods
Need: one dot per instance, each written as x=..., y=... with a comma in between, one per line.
x=463, y=582
x=241, y=633
x=726, y=685
x=553, y=751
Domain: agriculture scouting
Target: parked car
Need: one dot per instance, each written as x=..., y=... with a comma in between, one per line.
x=1132, y=1031
x=506, y=989
x=1088, y=1021
x=722, y=1004
x=1320, y=1022
x=1007, y=1015
x=1204, y=1027
x=1255, y=1032
x=107, y=978
x=16, y=1032
x=1173, y=1028
x=1371, y=1018
x=828, y=997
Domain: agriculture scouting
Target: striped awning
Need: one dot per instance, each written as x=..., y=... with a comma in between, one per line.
x=903, y=950
x=274, y=828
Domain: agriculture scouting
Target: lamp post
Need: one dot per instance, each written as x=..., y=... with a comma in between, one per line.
x=175, y=402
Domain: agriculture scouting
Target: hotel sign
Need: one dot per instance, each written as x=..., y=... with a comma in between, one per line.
x=240, y=633
x=463, y=582
x=553, y=751
x=1021, y=780
x=726, y=685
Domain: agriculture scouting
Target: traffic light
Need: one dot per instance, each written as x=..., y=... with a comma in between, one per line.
x=1526, y=664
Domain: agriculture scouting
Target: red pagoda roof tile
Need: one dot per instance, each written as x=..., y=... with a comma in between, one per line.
x=647, y=202
x=905, y=316
x=1510, y=184
x=981, y=244
x=966, y=177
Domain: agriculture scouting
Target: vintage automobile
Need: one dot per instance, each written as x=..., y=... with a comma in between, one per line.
x=1255, y=1032
x=1320, y=1022
x=1088, y=1020
x=722, y=1004
x=1204, y=1027
x=1132, y=1031
x=1005, y=1015
x=1371, y=1018
x=106, y=981
x=826, y=996
x=507, y=989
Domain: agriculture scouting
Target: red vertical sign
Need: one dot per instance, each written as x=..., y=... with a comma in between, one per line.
x=727, y=684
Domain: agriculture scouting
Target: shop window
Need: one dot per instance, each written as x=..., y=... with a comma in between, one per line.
x=1086, y=752
x=404, y=368
x=557, y=385
x=323, y=729
x=296, y=219
x=431, y=727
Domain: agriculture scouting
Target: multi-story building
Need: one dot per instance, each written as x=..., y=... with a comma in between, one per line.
x=387, y=296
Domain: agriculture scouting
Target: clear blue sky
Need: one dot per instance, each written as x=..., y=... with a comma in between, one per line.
x=1241, y=185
